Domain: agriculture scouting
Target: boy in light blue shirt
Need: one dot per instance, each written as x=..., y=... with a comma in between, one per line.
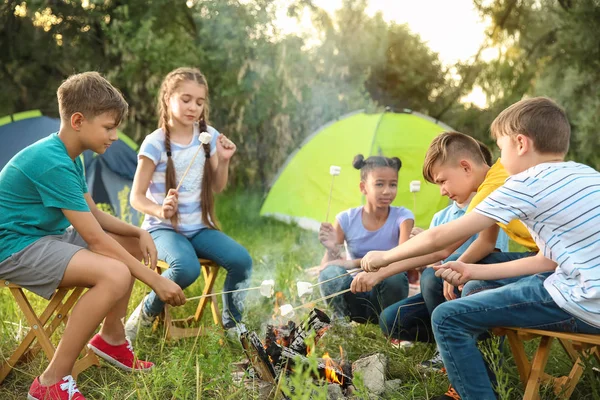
x=409, y=319
x=455, y=211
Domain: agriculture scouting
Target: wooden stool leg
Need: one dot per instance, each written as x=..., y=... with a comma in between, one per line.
x=214, y=304
x=36, y=325
x=179, y=328
x=56, y=311
x=210, y=274
x=568, y=386
x=523, y=365
x=60, y=316
x=90, y=358
x=537, y=369
x=24, y=347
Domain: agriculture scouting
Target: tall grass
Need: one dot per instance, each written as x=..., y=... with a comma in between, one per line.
x=202, y=368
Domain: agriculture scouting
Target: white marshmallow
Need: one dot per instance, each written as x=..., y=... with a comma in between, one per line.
x=335, y=170
x=304, y=288
x=287, y=311
x=415, y=186
x=205, y=137
x=266, y=287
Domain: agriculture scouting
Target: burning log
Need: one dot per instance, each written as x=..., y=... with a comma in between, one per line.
x=317, y=322
x=280, y=334
x=257, y=355
x=285, y=348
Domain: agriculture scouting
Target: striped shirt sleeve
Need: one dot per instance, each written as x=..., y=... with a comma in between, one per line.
x=213, y=142
x=509, y=202
x=152, y=149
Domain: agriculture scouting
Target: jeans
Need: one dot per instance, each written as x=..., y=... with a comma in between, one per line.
x=361, y=307
x=458, y=323
x=477, y=286
x=182, y=253
x=407, y=319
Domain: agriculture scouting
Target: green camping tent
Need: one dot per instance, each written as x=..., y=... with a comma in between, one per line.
x=301, y=189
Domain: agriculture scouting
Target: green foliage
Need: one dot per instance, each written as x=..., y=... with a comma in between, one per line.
x=107, y=208
x=545, y=48
x=268, y=90
x=493, y=355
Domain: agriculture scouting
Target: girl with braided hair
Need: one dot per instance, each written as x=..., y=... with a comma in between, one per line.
x=183, y=223
x=376, y=225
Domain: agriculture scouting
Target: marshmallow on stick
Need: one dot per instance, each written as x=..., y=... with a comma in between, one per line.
x=265, y=289
x=334, y=171
x=304, y=288
x=307, y=287
x=415, y=187
x=204, y=138
x=287, y=310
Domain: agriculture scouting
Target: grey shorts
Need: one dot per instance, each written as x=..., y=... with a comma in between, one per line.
x=40, y=267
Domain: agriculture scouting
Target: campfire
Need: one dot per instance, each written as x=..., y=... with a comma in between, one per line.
x=284, y=348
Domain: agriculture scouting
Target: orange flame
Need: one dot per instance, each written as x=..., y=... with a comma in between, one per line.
x=330, y=367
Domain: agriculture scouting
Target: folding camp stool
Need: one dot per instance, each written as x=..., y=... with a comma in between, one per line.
x=180, y=328
x=532, y=373
x=43, y=326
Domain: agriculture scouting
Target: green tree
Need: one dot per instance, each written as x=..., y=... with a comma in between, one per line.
x=547, y=48
x=268, y=90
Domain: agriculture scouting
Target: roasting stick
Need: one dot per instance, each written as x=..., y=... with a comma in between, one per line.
x=307, y=287
x=353, y=270
x=325, y=298
x=334, y=171
x=415, y=187
x=204, y=138
x=287, y=310
x=266, y=289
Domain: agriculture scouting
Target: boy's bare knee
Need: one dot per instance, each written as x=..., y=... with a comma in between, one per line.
x=118, y=277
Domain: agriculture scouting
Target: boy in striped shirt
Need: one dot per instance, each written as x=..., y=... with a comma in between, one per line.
x=558, y=202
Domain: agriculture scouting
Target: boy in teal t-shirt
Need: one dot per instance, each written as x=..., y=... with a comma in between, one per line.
x=52, y=235
x=36, y=184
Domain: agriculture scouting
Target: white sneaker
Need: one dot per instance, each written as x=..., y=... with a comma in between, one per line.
x=137, y=318
x=236, y=331
x=436, y=364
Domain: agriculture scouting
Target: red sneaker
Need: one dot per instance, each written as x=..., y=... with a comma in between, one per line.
x=65, y=389
x=121, y=356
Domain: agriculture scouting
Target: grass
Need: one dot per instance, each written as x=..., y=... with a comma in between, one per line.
x=201, y=368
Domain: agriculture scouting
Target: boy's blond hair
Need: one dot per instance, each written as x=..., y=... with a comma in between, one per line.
x=538, y=118
x=90, y=94
x=450, y=146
